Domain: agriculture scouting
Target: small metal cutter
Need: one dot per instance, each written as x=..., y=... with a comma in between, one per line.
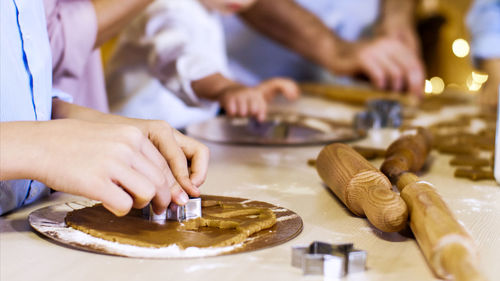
x=380, y=113
x=330, y=260
x=174, y=212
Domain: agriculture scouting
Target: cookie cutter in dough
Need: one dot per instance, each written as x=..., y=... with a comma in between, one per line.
x=330, y=260
x=174, y=212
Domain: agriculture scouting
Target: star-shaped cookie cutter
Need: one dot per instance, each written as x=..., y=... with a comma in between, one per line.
x=330, y=260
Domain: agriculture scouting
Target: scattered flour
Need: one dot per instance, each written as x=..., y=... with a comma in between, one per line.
x=76, y=237
x=280, y=210
x=285, y=218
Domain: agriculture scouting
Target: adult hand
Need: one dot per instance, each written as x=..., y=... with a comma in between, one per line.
x=404, y=33
x=115, y=164
x=388, y=63
x=239, y=100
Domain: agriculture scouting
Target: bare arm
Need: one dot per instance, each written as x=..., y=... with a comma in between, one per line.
x=240, y=100
x=113, y=15
x=87, y=159
x=296, y=28
x=397, y=19
x=387, y=61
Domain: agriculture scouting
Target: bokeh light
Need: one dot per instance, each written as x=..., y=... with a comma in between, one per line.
x=479, y=77
x=437, y=85
x=473, y=85
x=460, y=48
x=428, y=87
x=476, y=80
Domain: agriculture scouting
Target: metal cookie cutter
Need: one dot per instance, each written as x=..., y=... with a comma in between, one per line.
x=174, y=212
x=330, y=260
x=380, y=113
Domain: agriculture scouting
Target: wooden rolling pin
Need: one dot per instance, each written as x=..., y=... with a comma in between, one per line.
x=354, y=95
x=361, y=187
x=448, y=248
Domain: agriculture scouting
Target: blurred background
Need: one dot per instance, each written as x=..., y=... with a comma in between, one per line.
x=445, y=45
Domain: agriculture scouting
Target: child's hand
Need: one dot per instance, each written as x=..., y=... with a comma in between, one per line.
x=173, y=148
x=252, y=101
x=177, y=149
x=115, y=164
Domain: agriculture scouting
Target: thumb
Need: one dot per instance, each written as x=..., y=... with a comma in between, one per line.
x=288, y=88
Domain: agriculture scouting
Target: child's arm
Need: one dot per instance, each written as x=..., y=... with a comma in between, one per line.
x=173, y=146
x=114, y=164
x=240, y=100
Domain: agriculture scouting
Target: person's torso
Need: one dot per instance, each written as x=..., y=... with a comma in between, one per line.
x=26, y=65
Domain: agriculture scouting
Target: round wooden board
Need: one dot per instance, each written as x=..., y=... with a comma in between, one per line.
x=49, y=221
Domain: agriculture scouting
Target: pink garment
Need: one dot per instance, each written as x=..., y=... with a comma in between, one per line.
x=76, y=64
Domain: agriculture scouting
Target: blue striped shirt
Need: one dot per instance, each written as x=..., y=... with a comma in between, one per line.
x=25, y=83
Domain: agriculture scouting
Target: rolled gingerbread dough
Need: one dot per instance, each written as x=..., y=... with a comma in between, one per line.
x=222, y=224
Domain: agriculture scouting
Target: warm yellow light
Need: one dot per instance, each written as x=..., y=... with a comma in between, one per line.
x=428, y=87
x=460, y=48
x=437, y=85
x=475, y=87
x=479, y=78
x=472, y=85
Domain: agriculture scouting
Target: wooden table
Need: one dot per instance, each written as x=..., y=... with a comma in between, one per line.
x=280, y=176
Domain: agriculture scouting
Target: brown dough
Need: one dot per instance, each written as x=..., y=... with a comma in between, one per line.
x=467, y=160
x=222, y=224
x=474, y=174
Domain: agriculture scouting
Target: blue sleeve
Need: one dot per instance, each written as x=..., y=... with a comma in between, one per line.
x=16, y=193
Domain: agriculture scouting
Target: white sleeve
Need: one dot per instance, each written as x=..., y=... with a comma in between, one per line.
x=187, y=44
x=58, y=94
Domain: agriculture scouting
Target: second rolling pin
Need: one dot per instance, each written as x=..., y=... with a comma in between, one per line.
x=447, y=246
x=361, y=187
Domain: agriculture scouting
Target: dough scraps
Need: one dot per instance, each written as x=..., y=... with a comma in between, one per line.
x=222, y=224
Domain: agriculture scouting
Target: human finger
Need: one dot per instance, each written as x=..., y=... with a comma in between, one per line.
x=288, y=88
x=161, y=201
x=230, y=106
x=242, y=105
x=393, y=70
x=162, y=197
x=178, y=194
x=371, y=67
x=412, y=68
x=262, y=112
x=150, y=163
x=163, y=138
x=199, y=156
x=113, y=197
x=135, y=184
